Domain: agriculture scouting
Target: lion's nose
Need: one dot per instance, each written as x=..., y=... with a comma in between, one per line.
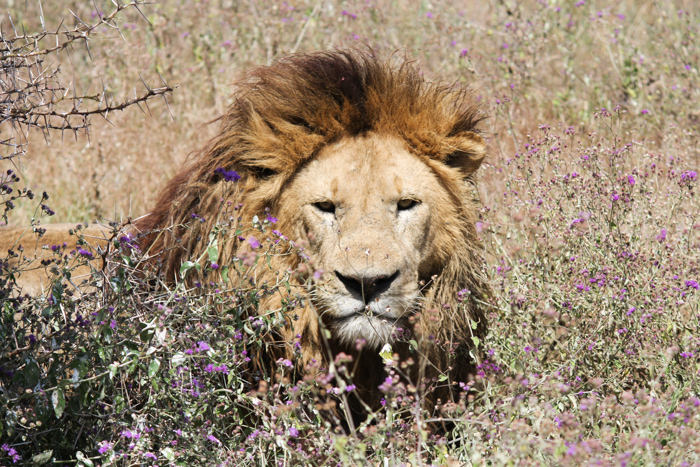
x=368, y=287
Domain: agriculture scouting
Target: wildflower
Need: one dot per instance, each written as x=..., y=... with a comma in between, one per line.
x=631, y=180
x=12, y=452
x=429, y=15
x=580, y=3
x=271, y=220
x=106, y=447
x=662, y=235
x=689, y=175
x=150, y=455
x=645, y=111
x=229, y=175
x=691, y=283
x=285, y=362
x=253, y=242
x=130, y=434
x=84, y=252
x=386, y=385
x=350, y=388
x=203, y=346
x=214, y=266
x=293, y=432
x=464, y=52
x=213, y=439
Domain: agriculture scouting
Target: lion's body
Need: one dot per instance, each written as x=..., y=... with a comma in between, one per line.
x=35, y=278
x=368, y=164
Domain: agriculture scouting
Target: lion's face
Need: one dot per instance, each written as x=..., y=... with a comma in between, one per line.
x=368, y=209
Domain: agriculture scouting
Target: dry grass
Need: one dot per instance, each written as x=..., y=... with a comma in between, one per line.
x=559, y=73
x=590, y=219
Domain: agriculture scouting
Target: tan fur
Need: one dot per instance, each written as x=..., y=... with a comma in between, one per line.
x=366, y=135
x=30, y=249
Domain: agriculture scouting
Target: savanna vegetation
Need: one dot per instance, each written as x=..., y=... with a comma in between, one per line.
x=589, y=217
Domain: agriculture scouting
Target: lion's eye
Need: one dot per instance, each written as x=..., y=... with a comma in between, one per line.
x=325, y=206
x=406, y=204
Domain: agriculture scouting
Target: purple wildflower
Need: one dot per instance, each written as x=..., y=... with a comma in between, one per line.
x=229, y=175
x=12, y=452
x=84, y=252
x=106, y=447
x=631, y=180
x=213, y=439
x=253, y=242
x=293, y=432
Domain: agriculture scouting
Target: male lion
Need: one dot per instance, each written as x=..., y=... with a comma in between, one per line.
x=370, y=165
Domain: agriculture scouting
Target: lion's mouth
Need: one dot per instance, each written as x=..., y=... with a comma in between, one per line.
x=376, y=323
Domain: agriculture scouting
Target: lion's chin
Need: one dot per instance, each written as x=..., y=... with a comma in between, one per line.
x=374, y=331
x=375, y=324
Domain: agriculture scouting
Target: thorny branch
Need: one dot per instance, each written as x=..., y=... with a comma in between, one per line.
x=31, y=94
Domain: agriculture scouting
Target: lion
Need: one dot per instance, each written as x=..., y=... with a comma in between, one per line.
x=370, y=166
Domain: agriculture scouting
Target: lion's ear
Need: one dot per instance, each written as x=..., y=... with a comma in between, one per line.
x=466, y=151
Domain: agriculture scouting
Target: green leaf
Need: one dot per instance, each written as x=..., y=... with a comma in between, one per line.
x=59, y=402
x=476, y=341
x=213, y=253
x=153, y=367
x=42, y=458
x=82, y=460
x=186, y=266
x=224, y=274
x=168, y=454
x=57, y=292
x=442, y=378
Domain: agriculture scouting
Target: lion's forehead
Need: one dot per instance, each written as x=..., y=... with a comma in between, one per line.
x=365, y=169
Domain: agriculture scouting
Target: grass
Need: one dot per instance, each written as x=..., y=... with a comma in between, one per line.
x=590, y=222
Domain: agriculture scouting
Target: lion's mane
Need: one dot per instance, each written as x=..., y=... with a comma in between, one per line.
x=280, y=117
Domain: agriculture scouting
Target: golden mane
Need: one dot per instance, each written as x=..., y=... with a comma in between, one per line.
x=281, y=116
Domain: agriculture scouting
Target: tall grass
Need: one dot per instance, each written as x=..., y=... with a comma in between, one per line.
x=590, y=221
